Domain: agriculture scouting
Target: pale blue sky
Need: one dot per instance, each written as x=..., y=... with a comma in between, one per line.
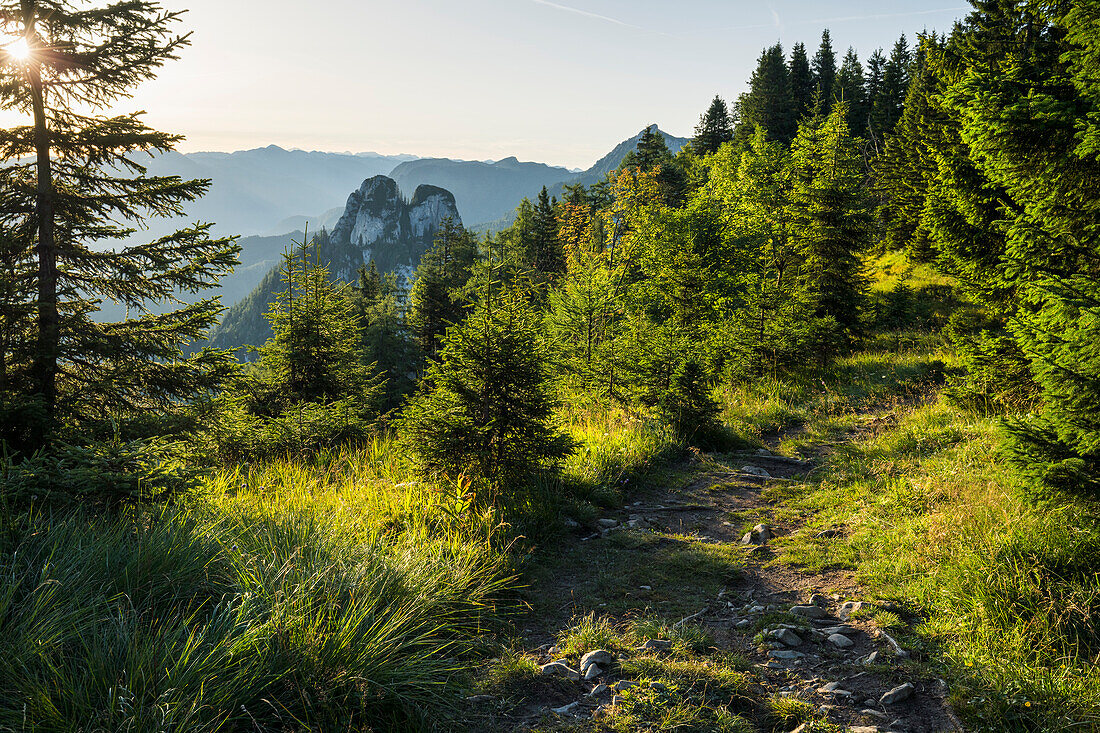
x=548, y=80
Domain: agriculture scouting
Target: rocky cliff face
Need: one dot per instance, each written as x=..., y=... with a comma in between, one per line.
x=379, y=224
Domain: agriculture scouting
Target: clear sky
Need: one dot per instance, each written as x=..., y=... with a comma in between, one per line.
x=558, y=81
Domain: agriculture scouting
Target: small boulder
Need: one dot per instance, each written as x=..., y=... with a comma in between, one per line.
x=608, y=523
x=598, y=656
x=600, y=689
x=847, y=609
x=565, y=709
x=743, y=624
x=872, y=658
x=841, y=641
x=560, y=669
x=656, y=645
x=755, y=471
x=819, y=600
x=658, y=686
x=898, y=694
x=622, y=685
x=809, y=611
x=787, y=636
x=592, y=672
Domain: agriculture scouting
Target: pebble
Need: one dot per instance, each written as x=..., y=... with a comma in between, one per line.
x=872, y=658
x=787, y=636
x=759, y=534
x=872, y=713
x=656, y=645
x=841, y=641
x=600, y=689
x=757, y=609
x=560, y=669
x=831, y=687
x=898, y=694
x=809, y=611
x=608, y=523
x=623, y=685
x=743, y=624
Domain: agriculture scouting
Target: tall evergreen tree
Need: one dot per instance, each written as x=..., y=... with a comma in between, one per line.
x=850, y=87
x=831, y=218
x=801, y=81
x=876, y=69
x=768, y=102
x=546, y=254
x=69, y=177
x=714, y=129
x=824, y=68
x=436, y=300
x=888, y=105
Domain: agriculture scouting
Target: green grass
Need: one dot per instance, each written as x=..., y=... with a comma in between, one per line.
x=289, y=596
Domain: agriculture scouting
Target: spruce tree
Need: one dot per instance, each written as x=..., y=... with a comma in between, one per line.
x=436, y=300
x=768, y=102
x=801, y=82
x=546, y=254
x=876, y=68
x=888, y=105
x=831, y=220
x=380, y=301
x=486, y=411
x=824, y=68
x=70, y=176
x=715, y=128
x=850, y=87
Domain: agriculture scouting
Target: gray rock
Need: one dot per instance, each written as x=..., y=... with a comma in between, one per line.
x=864, y=729
x=623, y=685
x=785, y=654
x=743, y=624
x=877, y=714
x=809, y=611
x=872, y=658
x=600, y=689
x=757, y=609
x=592, y=672
x=830, y=687
x=656, y=645
x=608, y=523
x=819, y=600
x=763, y=452
x=571, y=523
x=787, y=636
x=847, y=609
x=841, y=641
x=565, y=709
x=755, y=471
x=597, y=656
x=898, y=694
x=658, y=686
x=845, y=629
x=560, y=669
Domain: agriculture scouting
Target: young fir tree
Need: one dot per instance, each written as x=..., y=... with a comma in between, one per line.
x=876, y=68
x=652, y=154
x=546, y=255
x=715, y=128
x=436, y=300
x=887, y=106
x=309, y=388
x=831, y=220
x=380, y=302
x=69, y=176
x=487, y=409
x=768, y=102
x=801, y=81
x=824, y=68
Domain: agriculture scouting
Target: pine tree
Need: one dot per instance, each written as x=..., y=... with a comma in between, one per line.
x=70, y=176
x=768, y=102
x=876, y=68
x=831, y=220
x=652, y=154
x=546, y=253
x=850, y=87
x=824, y=68
x=379, y=301
x=715, y=128
x=487, y=412
x=436, y=300
x=801, y=82
x=887, y=106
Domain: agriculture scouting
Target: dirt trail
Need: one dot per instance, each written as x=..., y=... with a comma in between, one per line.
x=713, y=504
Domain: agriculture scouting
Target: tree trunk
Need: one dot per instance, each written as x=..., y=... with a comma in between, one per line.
x=49, y=326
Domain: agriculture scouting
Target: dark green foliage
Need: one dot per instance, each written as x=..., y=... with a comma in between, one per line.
x=379, y=301
x=309, y=389
x=715, y=128
x=71, y=179
x=651, y=154
x=889, y=98
x=849, y=87
x=105, y=474
x=687, y=404
x=768, y=103
x=801, y=82
x=546, y=255
x=824, y=70
x=486, y=408
x=831, y=220
x=436, y=301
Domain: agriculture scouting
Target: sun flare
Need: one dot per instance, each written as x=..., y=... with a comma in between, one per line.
x=18, y=49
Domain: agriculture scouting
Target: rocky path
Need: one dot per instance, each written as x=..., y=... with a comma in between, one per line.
x=812, y=637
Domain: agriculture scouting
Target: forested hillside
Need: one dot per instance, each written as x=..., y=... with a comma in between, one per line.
x=791, y=428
